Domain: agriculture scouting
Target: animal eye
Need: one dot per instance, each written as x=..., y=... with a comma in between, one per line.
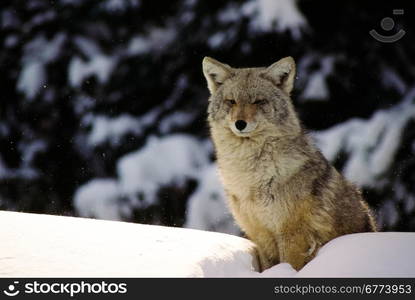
x=230, y=101
x=259, y=101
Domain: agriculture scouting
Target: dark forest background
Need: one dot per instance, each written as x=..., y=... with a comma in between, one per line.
x=69, y=67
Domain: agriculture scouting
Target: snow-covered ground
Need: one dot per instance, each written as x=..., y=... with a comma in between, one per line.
x=52, y=246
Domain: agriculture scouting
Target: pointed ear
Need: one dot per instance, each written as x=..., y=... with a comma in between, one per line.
x=215, y=72
x=282, y=73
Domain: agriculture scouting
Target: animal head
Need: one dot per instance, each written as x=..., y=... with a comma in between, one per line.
x=252, y=101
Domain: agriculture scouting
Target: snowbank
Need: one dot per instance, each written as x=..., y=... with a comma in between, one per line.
x=386, y=254
x=52, y=246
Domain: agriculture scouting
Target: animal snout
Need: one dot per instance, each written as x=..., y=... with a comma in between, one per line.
x=240, y=125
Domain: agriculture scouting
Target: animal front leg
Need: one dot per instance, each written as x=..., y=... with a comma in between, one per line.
x=295, y=249
x=263, y=261
x=267, y=248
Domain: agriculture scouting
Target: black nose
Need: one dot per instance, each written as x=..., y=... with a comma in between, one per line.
x=240, y=125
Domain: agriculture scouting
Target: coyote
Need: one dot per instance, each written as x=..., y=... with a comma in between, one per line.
x=282, y=192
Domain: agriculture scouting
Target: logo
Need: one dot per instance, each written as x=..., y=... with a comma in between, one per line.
x=387, y=24
x=11, y=290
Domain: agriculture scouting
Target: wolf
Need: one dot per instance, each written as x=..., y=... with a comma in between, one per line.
x=283, y=193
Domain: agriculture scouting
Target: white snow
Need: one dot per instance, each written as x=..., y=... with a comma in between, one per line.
x=156, y=39
x=4, y=129
x=230, y=14
x=207, y=208
x=43, y=17
x=317, y=87
x=391, y=79
x=37, y=54
x=387, y=214
x=141, y=174
x=53, y=246
x=161, y=161
x=174, y=120
x=138, y=45
x=386, y=254
x=31, y=79
x=71, y=2
x=217, y=40
x=8, y=19
x=112, y=129
x=100, y=198
x=282, y=15
x=22, y=172
x=114, y=5
x=3, y=169
x=11, y=40
x=87, y=46
x=82, y=104
x=28, y=150
x=119, y=5
x=409, y=204
x=263, y=15
x=371, y=144
x=98, y=64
